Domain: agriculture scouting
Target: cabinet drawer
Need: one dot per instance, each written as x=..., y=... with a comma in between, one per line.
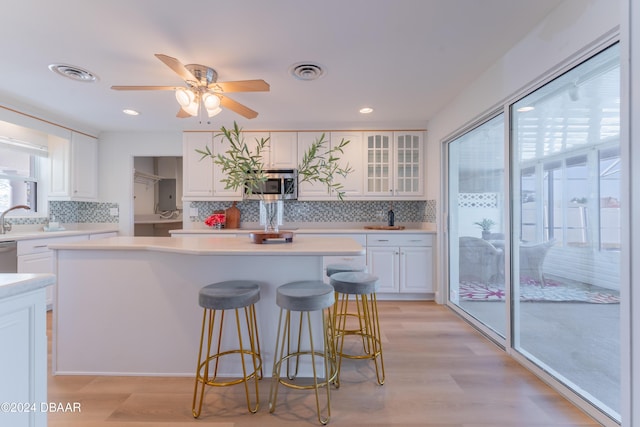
x=382, y=239
x=360, y=238
x=35, y=246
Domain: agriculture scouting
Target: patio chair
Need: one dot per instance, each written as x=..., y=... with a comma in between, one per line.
x=479, y=260
x=532, y=259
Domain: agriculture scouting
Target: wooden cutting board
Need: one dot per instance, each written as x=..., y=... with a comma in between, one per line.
x=261, y=237
x=232, y=216
x=384, y=227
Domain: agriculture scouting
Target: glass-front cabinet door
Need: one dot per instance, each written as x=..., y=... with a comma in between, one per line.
x=379, y=163
x=408, y=163
x=395, y=164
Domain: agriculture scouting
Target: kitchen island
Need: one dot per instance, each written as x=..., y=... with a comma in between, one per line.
x=23, y=357
x=129, y=305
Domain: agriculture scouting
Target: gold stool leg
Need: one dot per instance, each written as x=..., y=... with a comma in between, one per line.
x=370, y=304
x=255, y=375
x=203, y=377
x=369, y=331
x=280, y=357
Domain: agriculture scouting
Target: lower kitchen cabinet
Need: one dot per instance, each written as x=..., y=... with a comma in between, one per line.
x=34, y=256
x=23, y=359
x=402, y=262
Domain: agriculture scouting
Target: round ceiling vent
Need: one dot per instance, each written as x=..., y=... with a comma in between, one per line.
x=306, y=71
x=73, y=72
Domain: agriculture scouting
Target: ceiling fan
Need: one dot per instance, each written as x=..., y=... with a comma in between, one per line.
x=204, y=90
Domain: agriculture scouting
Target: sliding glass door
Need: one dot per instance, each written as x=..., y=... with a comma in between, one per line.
x=545, y=280
x=566, y=228
x=477, y=225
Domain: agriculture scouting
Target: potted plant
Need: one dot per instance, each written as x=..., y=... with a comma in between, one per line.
x=486, y=224
x=243, y=167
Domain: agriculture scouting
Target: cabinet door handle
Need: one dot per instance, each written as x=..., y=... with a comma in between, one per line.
x=40, y=246
x=382, y=240
x=396, y=253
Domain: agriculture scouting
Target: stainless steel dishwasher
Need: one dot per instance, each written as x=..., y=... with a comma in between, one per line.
x=8, y=257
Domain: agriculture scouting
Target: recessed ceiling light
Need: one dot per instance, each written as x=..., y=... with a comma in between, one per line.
x=366, y=110
x=130, y=112
x=74, y=73
x=525, y=109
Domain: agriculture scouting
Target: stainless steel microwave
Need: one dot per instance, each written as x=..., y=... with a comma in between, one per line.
x=281, y=184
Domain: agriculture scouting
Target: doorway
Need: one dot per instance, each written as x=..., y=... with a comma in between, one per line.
x=157, y=195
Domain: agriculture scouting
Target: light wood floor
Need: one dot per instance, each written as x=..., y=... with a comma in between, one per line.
x=440, y=372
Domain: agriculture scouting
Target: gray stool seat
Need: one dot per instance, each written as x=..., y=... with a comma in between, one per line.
x=342, y=268
x=305, y=295
x=354, y=283
x=229, y=295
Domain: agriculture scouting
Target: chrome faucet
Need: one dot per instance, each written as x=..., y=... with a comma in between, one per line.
x=7, y=227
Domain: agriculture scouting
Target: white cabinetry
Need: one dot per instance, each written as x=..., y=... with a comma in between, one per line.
x=353, y=183
x=281, y=151
x=402, y=262
x=352, y=260
x=23, y=359
x=97, y=236
x=394, y=164
x=202, y=178
x=34, y=256
x=74, y=168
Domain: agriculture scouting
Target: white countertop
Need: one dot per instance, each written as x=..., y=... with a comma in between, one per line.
x=26, y=234
x=221, y=246
x=428, y=228
x=15, y=284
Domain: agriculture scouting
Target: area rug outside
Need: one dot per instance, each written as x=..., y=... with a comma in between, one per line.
x=532, y=291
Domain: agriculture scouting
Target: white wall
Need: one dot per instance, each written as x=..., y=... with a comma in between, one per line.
x=116, y=153
x=571, y=30
x=565, y=32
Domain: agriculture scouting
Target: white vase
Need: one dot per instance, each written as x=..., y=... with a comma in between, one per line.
x=271, y=215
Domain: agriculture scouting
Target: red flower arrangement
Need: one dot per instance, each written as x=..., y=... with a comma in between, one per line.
x=215, y=220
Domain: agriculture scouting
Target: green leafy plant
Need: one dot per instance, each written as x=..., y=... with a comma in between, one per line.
x=486, y=224
x=243, y=165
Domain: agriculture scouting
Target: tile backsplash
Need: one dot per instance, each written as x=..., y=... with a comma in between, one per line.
x=294, y=211
x=329, y=211
x=82, y=212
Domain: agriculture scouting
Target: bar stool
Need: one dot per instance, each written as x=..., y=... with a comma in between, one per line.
x=304, y=297
x=215, y=299
x=343, y=268
x=363, y=287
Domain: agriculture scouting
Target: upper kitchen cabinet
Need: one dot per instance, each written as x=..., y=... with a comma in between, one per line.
x=395, y=164
x=202, y=177
x=282, y=150
x=353, y=183
x=74, y=167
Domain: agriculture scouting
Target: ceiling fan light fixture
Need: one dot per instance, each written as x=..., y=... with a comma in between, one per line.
x=185, y=97
x=210, y=101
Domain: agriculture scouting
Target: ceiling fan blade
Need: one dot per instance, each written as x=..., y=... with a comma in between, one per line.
x=238, y=108
x=144, y=87
x=182, y=114
x=177, y=67
x=241, y=86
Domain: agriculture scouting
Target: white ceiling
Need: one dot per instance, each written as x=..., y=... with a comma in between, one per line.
x=405, y=58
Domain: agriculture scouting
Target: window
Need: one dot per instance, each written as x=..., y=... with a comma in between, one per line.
x=18, y=178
